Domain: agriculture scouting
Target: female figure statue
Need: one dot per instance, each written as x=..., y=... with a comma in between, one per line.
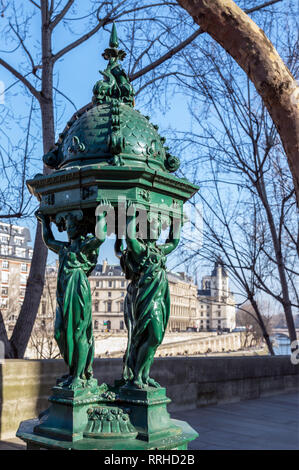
x=73, y=323
x=148, y=298
x=127, y=265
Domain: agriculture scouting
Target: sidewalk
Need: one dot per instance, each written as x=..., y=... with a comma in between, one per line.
x=270, y=423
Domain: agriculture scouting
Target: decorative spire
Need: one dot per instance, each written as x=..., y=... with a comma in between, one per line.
x=116, y=84
x=112, y=52
x=113, y=37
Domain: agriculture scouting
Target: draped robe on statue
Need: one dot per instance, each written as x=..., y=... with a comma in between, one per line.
x=73, y=324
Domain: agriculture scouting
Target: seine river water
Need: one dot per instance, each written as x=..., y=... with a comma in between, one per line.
x=282, y=345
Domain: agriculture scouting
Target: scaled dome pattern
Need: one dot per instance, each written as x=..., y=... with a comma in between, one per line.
x=110, y=131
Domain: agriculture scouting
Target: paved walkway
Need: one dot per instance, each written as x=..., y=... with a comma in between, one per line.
x=266, y=423
x=270, y=423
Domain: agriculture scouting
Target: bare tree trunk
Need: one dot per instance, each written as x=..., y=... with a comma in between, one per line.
x=8, y=352
x=232, y=28
x=36, y=278
x=261, y=324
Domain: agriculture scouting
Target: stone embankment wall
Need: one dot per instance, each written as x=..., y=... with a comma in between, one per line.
x=206, y=343
x=25, y=385
x=209, y=344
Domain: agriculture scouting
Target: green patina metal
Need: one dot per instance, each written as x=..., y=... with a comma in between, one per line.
x=110, y=156
x=147, y=305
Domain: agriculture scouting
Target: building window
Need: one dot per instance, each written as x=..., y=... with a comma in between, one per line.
x=122, y=283
x=4, y=291
x=20, y=252
x=121, y=306
x=110, y=284
x=4, y=276
x=3, y=303
x=24, y=268
x=109, y=306
x=23, y=278
x=96, y=306
x=121, y=325
x=96, y=325
x=109, y=294
x=219, y=314
x=4, y=250
x=44, y=308
x=5, y=264
x=18, y=241
x=122, y=294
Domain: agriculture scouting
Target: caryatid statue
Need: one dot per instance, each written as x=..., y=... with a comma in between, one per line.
x=73, y=323
x=147, y=304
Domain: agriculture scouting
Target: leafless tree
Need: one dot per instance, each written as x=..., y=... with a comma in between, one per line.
x=224, y=234
x=243, y=39
x=156, y=33
x=42, y=344
x=246, y=317
x=237, y=135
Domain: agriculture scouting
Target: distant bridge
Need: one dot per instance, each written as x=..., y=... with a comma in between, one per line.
x=284, y=332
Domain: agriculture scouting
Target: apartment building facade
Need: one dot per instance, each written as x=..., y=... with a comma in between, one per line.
x=15, y=261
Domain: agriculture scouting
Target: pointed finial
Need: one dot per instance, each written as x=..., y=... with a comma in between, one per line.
x=113, y=37
x=112, y=52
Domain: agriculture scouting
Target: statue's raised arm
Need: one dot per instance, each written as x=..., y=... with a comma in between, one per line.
x=173, y=237
x=133, y=244
x=91, y=243
x=48, y=237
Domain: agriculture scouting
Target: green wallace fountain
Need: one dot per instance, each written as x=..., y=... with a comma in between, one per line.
x=111, y=174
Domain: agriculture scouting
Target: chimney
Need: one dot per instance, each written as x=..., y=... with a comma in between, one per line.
x=104, y=266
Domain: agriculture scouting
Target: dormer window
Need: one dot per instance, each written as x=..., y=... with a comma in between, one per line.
x=18, y=241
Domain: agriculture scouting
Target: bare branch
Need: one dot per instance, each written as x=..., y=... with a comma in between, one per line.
x=34, y=3
x=25, y=82
x=160, y=77
x=260, y=7
x=60, y=15
x=166, y=56
x=78, y=42
x=185, y=43
x=24, y=47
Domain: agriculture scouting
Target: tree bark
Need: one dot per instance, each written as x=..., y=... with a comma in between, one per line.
x=232, y=28
x=8, y=352
x=261, y=324
x=24, y=325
